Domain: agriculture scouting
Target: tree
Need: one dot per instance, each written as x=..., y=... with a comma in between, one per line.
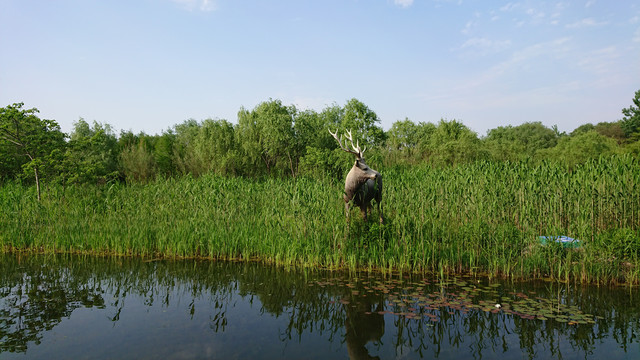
x=608, y=129
x=138, y=163
x=215, y=146
x=317, y=145
x=573, y=150
x=184, y=156
x=403, y=135
x=266, y=136
x=163, y=152
x=91, y=155
x=38, y=141
x=519, y=142
x=630, y=123
x=453, y=143
x=363, y=122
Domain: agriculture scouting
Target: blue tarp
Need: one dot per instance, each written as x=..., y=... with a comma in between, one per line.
x=566, y=241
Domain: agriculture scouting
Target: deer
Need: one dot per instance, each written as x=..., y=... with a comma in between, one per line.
x=362, y=184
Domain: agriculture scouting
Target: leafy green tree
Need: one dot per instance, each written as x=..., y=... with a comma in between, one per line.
x=215, y=146
x=138, y=164
x=184, y=157
x=582, y=129
x=163, y=152
x=424, y=134
x=358, y=118
x=38, y=142
x=453, y=143
x=10, y=161
x=311, y=128
x=402, y=140
x=267, y=138
x=630, y=123
x=609, y=129
x=92, y=154
x=403, y=135
x=574, y=150
x=519, y=142
x=318, y=157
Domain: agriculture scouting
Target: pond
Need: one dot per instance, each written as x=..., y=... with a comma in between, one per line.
x=63, y=306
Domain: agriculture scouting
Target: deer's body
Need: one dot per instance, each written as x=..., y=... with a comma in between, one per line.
x=362, y=184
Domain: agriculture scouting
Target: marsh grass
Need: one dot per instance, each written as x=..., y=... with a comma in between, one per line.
x=480, y=218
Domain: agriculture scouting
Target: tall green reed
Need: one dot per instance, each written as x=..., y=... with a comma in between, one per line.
x=483, y=218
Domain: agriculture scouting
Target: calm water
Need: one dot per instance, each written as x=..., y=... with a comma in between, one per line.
x=98, y=308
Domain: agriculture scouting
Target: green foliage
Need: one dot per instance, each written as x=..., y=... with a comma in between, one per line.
x=163, y=154
x=519, y=142
x=608, y=129
x=578, y=149
x=138, y=163
x=402, y=141
x=357, y=117
x=38, y=143
x=452, y=143
x=320, y=156
x=482, y=217
x=630, y=123
x=279, y=140
x=91, y=155
x=267, y=137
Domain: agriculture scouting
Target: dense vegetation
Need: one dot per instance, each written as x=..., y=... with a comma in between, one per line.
x=270, y=188
x=277, y=140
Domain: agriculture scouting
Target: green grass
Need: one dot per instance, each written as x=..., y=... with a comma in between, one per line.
x=481, y=218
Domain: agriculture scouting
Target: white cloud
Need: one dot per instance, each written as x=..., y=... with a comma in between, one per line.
x=468, y=27
x=519, y=60
x=483, y=46
x=636, y=36
x=202, y=5
x=600, y=61
x=535, y=14
x=510, y=6
x=589, y=3
x=587, y=22
x=403, y=3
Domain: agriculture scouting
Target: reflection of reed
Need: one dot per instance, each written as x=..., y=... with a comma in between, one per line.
x=36, y=292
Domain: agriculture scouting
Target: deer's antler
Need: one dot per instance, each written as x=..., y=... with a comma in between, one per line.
x=356, y=148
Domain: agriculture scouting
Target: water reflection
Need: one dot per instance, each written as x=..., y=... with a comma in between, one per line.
x=70, y=305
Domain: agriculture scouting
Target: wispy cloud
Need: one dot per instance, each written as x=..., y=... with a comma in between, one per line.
x=202, y=5
x=483, y=46
x=587, y=22
x=509, y=7
x=521, y=59
x=468, y=28
x=403, y=3
x=600, y=61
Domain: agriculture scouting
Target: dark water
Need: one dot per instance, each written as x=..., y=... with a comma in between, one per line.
x=57, y=307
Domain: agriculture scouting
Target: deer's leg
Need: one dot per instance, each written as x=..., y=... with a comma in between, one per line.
x=380, y=211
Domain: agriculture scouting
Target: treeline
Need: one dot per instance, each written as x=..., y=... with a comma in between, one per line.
x=273, y=139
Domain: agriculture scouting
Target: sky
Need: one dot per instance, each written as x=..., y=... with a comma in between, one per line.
x=147, y=65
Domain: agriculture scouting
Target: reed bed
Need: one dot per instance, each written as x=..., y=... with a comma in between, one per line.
x=481, y=218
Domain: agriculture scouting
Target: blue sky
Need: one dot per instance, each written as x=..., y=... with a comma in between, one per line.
x=146, y=65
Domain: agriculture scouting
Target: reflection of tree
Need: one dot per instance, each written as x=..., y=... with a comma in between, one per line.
x=37, y=300
x=44, y=290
